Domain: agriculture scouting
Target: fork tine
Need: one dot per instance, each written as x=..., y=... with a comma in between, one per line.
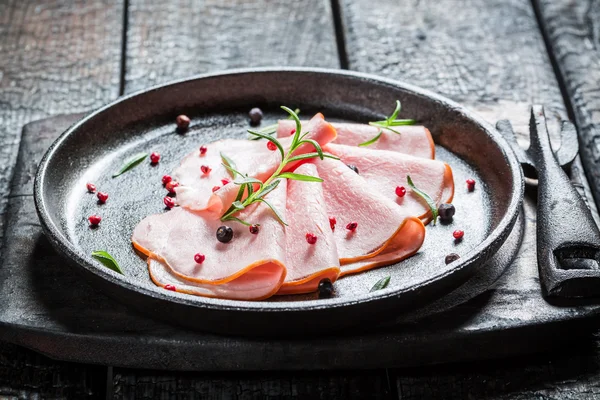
x=506, y=130
x=569, y=145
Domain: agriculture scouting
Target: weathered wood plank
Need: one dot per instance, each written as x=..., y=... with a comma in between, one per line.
x=570, y=377
x=25, y=374
x=174, y=39
x=341, y=385
x=489, y=56
x=572, y=29
x=55, y=57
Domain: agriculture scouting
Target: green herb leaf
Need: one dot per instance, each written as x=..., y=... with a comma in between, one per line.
x=299, y=177
x=316, y=145
x=241, y=221
x=268, y=189
x=312, y=155
x=396, y=111
x=402, y=122
x=238, y=205
x=231, y=170
x=107, y=260
x=294, y=116
x=271, y=139
x=130, y=163
x=277, y=215
x=230, y=165
x=425, y=196
x=246, y=181
x=371, y=141
x=381, y=284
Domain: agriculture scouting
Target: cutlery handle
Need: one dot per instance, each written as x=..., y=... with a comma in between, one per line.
x=568, y=240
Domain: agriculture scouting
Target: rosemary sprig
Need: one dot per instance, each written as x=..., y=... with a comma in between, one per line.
x=247, y=184
x=130, y=163
x=388, y=123
x=426, y=197
x=381, y=284
x=271, y=129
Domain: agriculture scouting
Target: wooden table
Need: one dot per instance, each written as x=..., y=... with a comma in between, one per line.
x=70, y=56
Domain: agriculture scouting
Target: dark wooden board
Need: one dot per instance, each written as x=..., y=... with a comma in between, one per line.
x=174, y=39
x=572, y=30
x=52, y=310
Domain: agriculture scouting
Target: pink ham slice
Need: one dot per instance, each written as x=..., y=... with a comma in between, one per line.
x=381, y=223
x=256, y=284
x=415, y=140
x=385, y=170
x=195, y=190
x=307, y=264
x=174, y=237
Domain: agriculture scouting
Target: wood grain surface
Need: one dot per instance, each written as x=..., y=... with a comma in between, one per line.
x=55, y=57
x=167, y=40
x=572, y=30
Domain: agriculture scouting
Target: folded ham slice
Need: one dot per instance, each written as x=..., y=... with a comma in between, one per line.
x=385, y=170
x=381, y=223
x=415, y=140
x=307, y=264
x=195, y=190
x=256, y=284
x=174, y=237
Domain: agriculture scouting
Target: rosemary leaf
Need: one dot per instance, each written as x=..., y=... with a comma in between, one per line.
x=277, y=215
x=316, y=145
x=107, y=260
x=425, y=196
x=268, y=189
x=230, y=165
x=241, y=221
x=371, y=141
x=130, y=163
x=247, y=180
x=381, y=284
x=238, y=205
x=312, y=155
x=232, y=170
x=299, y=177
x=271, y=139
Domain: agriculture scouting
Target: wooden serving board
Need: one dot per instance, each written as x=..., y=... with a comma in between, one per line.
x=45, y=306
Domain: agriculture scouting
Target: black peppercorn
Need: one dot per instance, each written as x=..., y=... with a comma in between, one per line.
x=353, y=167
x=224, y=234
x=256, y=116
x=446, y=212
x=451, y=258
x=325, y=288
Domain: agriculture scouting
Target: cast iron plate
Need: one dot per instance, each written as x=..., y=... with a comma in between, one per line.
x=93, y=148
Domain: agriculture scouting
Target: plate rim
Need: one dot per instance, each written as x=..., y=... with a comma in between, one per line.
x=65, y=246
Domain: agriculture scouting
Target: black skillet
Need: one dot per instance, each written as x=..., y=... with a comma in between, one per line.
x=95, y=147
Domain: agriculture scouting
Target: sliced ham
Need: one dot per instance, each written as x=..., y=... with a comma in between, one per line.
x=256, y=284
x=307, y=264
x=195, y=190
x=415, y=140
x=385, y=170
x=381, y=223
x=174, y=237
